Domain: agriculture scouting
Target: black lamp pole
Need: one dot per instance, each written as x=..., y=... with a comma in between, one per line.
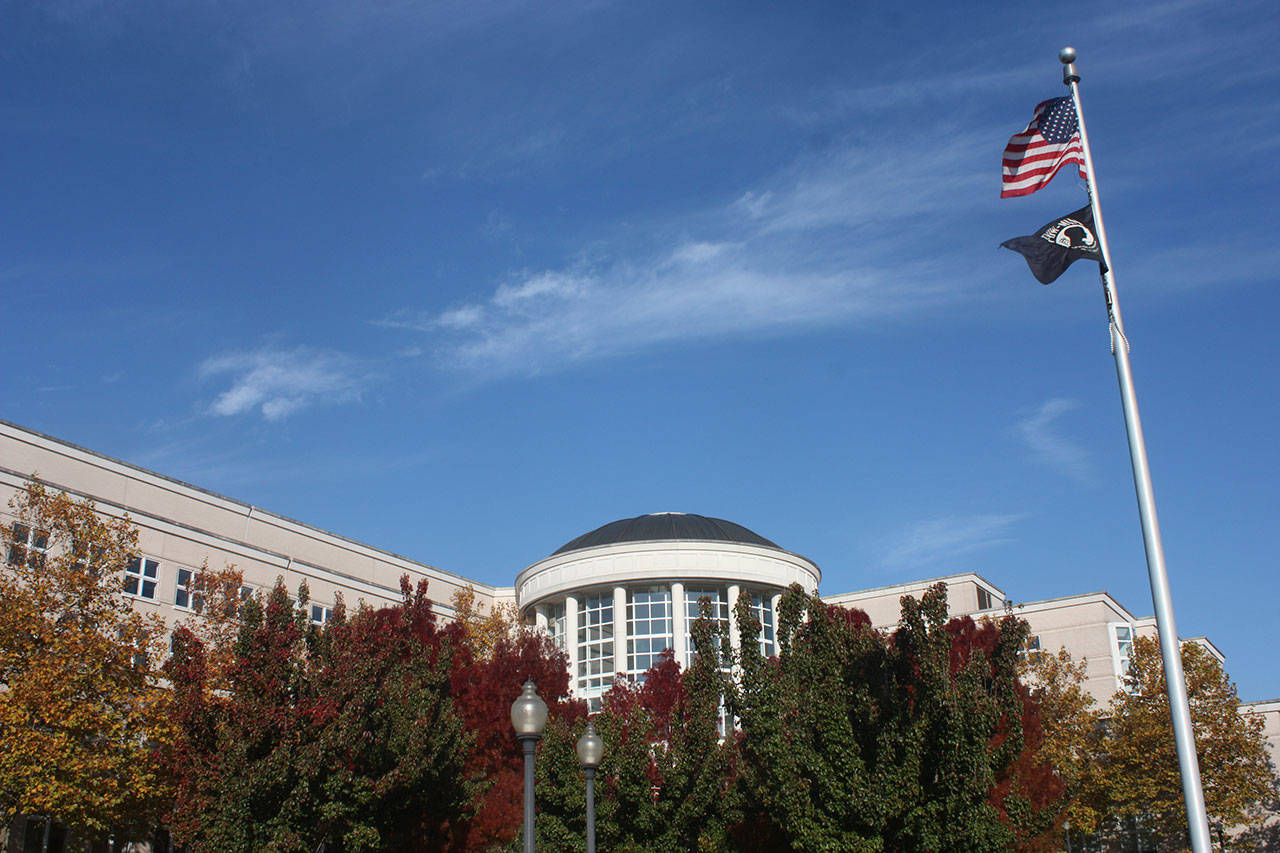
x=590, y=751
x=529, y=717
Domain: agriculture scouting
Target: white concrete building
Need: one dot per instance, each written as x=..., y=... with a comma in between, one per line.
x=615, y=598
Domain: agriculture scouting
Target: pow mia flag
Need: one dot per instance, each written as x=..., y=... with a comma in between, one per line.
x=1054, y=247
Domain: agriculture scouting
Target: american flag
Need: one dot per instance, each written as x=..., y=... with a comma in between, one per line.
x=1051, y=140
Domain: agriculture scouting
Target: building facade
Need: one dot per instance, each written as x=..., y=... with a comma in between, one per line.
x=613, y=598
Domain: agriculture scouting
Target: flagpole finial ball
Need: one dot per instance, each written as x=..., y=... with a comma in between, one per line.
x=1067, y=55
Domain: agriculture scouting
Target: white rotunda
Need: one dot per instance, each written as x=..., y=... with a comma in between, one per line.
x=616, y=597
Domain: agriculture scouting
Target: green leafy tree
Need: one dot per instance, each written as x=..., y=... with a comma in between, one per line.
x=1138, y=761
x=858, y=741
x=83, y=721
x=666, y=783
x=344, y=739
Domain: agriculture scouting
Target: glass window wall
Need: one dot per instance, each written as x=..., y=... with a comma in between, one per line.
x=719, y=599
x=556, y=623
x=595, y=645
x=648, y=627
x=762, y=609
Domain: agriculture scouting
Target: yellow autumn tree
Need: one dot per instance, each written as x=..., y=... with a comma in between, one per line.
x=83, y=722
x=1072, y=730
x=217, y=596
x=1138, y=766
x=482, y=630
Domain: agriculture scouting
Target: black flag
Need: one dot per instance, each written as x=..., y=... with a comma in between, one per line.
x=1051, y=250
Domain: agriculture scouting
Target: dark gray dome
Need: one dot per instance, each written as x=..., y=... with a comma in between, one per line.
x=663, y=526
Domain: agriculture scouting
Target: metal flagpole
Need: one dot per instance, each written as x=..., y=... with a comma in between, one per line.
x=1161, y=598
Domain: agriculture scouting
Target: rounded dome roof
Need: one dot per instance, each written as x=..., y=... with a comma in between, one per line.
x=663, y=526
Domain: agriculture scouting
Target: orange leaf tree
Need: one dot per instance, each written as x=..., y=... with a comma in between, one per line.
x=1139, y=765
x=1072, y=730
x=82, y=717
x=483, y=630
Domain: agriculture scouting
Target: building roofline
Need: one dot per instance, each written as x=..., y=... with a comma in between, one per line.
x=882, y=590
x=24, y=434
x=1100, y=595
x=1205, y=641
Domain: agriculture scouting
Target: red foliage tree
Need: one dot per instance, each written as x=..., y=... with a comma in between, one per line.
x=1028, y=794
x=345, y=739
x=484, y=688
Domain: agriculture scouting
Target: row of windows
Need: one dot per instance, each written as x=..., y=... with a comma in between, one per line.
x=141, y=575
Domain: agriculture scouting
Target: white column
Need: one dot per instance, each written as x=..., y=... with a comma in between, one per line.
x=620, y=629
x=735, y=638
x=774, y=602
x=540, y=617
x=571, y=638
x=679, y=630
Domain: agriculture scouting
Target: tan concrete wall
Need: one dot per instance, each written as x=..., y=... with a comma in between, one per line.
x=1269, y=711
x=1081, y=625
x=882, y=604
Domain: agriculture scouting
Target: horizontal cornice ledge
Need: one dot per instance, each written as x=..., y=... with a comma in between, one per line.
x=674, y=560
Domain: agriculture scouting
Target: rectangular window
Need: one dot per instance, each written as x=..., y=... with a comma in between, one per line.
x=141, y=576
x=556, y=624
x=719, y=600
x=183, y=596
x=27, y=545
x=86, y=555
x=984, y=599
x=595, y=643
x=648, y=628
x=762, y=609
x=320, y=614
x=1122, y=647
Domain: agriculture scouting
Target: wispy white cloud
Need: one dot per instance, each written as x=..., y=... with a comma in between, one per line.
x=279, y=382
x=941, y=542
x=821, y=245
x=1041, y=432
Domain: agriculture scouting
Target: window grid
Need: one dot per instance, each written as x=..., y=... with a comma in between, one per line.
x=595, y=643
x=320, y=614
x=762, y=610
x=183, y=596
x=648, y=628
x=141, y=577
x=1123, y=648
x=27, y=545
x=557, y=624
x=719, y=612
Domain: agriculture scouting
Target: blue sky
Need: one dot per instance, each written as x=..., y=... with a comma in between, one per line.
x=465, y=280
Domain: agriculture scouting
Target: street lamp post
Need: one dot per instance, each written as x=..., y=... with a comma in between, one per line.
x=528, y=716
x=590, y=751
